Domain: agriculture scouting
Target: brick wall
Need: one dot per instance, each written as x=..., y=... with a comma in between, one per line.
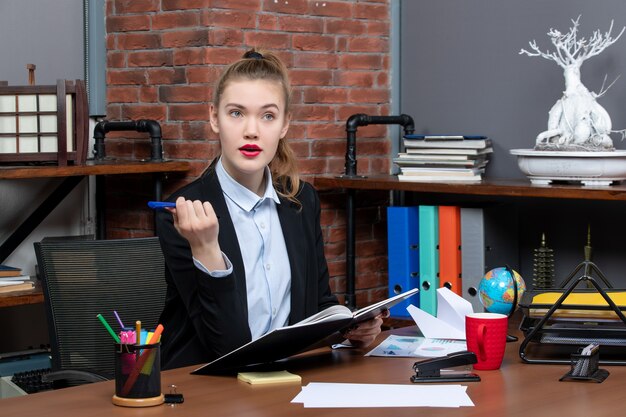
x=163, y=57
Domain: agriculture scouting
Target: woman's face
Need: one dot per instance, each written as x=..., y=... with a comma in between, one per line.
x=250, y=120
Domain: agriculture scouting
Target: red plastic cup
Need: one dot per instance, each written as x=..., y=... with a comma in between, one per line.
x=486, y=337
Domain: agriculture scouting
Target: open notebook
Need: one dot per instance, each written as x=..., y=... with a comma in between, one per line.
x=289, y=340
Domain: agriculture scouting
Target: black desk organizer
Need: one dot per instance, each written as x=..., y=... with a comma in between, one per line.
x=585, y=368
x=566, y=336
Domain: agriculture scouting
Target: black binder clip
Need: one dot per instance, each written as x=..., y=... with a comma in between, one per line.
x=431, y=370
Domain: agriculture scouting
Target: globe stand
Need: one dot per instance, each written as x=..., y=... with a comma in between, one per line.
x=510, y=337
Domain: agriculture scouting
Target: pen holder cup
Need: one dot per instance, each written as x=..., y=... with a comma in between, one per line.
x=138, y=375
x=585, y=368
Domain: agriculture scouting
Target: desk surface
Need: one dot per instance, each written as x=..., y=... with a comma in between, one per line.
x=517, y=389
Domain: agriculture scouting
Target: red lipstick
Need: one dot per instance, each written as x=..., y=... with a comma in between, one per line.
x=250, y=150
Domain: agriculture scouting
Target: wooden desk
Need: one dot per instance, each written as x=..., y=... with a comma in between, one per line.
x=516, y=389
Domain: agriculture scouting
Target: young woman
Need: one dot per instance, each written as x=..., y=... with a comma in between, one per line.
x=243, y=248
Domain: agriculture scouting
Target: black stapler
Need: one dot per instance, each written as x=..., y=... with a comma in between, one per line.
x=431, y=370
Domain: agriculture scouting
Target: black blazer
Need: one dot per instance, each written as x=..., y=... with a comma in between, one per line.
x=206, y=317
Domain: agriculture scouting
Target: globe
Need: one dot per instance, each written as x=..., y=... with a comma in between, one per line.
x=496, y=291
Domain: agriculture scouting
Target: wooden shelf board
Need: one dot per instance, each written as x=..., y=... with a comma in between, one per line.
x=495, y=187
x=106, y=167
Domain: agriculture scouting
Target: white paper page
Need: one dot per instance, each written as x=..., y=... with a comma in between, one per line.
x=9, y=283
x=337, y=395
x=435, y=348
x=398, y=346
x=433, y=328
x=452, y=308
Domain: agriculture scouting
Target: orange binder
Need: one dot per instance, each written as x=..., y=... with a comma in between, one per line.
x=450, y=248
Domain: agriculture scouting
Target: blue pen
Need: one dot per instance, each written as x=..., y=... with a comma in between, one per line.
x=160, y=204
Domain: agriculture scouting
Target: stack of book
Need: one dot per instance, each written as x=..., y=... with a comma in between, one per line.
x=11, y=279
x=443, y=158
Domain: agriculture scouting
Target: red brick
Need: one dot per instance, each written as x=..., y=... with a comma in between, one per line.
x=135, y=112
x=371, y=11
x=185, y=38
x=312, y=166
x=358, y=61
x=184, y=94
x=326, y=131
x=314, y=113
x=185, y=4
x=378, y=29
x=228, y=19
x=197, y=131
x=135, y=6
x=368, y=45
x=166, y=76
x=127, y=23
x=329, y=147
x=267, y=22
x=225, y=37
x=188, y=112
x=148, y=94
x=138, y=41
x=223, y=56
x=300, y=24
x=354, y=78
x=331, y=8
x=346, y=27
x=326, y=95
x=369, y=95
x=134, y=77
x=315, y=60
x=310, y=77
x=267, y=40
x=297, y=7
x=204, y=74
x=175, y=20
x=116, y=59
x=122, y=94
x=190, y=56
x=251, y=5
x=300, y=148
x=313, y=43
x=150, y=59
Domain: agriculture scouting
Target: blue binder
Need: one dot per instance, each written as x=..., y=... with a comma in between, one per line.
x=403, y=255
x=429, y=258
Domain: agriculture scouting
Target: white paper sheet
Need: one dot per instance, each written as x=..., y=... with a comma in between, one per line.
x=435, y=348
x=450, y=320
x=338, y=395
x=397, y=346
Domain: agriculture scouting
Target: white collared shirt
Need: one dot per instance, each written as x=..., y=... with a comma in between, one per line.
x=263, y=250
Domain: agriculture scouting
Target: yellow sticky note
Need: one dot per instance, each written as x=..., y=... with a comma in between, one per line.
x=268, y=377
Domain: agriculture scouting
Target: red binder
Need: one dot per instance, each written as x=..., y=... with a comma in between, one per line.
x=450, y=248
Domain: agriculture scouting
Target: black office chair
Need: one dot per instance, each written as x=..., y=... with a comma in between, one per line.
x=84, y=278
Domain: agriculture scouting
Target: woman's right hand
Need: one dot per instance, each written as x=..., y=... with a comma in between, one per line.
x=196, y=221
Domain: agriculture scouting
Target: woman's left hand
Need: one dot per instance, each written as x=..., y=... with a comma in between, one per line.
x=366, y=332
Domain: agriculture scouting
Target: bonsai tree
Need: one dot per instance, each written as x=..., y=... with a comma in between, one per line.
x=576, y=121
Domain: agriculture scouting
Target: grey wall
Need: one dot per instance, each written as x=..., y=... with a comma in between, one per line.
x=47, y=33
x=461, y=71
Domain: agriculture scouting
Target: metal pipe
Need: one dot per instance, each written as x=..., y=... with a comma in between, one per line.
x=144, y=125
x=352, y=125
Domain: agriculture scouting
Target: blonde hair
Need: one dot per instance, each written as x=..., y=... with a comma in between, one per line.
x=260, y=65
